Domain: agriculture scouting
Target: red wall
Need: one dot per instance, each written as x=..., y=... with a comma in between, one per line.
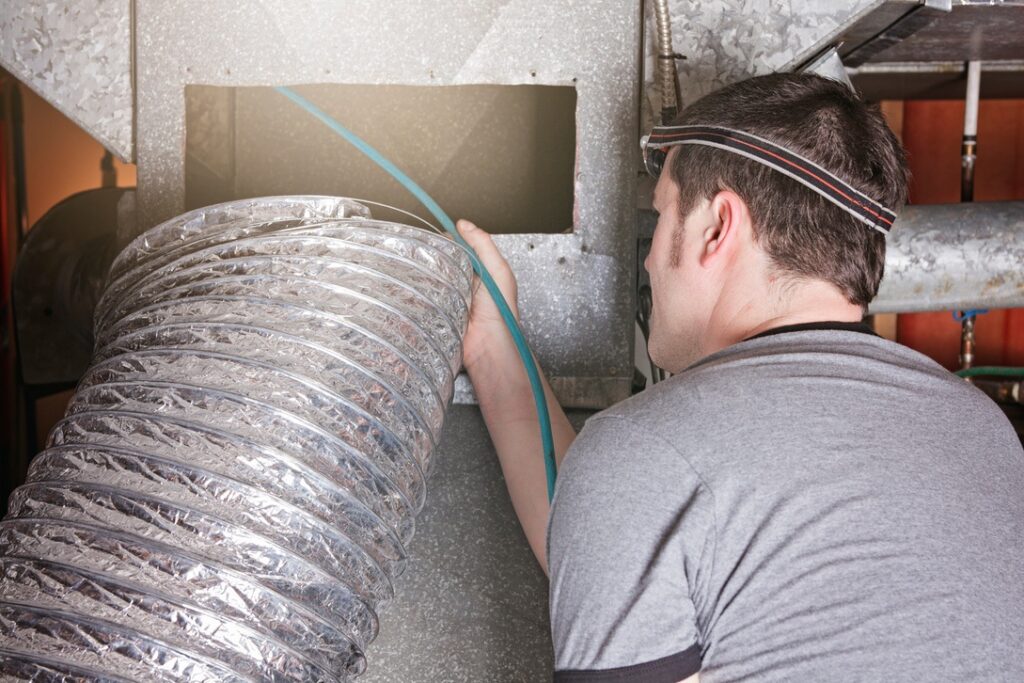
x=932, y=132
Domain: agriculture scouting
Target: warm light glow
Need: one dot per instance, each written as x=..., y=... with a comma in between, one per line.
x=60, y=158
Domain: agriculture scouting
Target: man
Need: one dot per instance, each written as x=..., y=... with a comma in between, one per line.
x=803, y=500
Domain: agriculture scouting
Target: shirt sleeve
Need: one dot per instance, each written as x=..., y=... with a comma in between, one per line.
x=630, y=534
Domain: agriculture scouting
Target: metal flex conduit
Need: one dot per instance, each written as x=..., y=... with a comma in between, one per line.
x=231, y=490
x=666, y=57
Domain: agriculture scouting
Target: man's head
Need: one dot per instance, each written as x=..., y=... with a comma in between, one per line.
x=740, y=245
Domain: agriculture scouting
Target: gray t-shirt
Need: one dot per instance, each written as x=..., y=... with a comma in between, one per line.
x=807, y=506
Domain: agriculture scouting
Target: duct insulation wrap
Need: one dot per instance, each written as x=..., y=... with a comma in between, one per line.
x=230, y=493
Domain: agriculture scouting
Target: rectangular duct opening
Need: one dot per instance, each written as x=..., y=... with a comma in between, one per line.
x=500, y=155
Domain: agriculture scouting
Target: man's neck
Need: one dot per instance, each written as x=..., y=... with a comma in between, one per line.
x=802, y=318
x=806, y=303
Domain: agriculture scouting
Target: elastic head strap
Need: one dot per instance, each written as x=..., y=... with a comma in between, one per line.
x=799, y=168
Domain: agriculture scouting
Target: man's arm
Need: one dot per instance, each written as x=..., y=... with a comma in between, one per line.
x=506, y=400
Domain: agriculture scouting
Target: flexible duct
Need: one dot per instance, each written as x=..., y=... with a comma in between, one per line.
x=230, y=492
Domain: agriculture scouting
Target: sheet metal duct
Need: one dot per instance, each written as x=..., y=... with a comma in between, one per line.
x=941, y=257
x=954, y=257
x=230, y=492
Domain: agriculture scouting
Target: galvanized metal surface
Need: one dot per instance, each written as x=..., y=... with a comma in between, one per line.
x=954, y=256
x=725, y=41
x=936, y=80
x=77, y=55
x=576, y=290
x=890, y=25
x=969, y=32
x=572, y=392
x=943, y=257
x=829, y=65
x=472, y=604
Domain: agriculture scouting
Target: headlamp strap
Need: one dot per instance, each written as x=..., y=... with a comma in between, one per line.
x=799, y=168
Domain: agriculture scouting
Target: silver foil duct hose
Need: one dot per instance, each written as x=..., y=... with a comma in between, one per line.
x=231, y=490
x=666, y=56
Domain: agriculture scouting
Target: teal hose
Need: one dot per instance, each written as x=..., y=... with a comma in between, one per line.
x=492, y=287
x=991, y=371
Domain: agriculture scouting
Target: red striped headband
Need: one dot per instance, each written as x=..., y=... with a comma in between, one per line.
x=799, y=168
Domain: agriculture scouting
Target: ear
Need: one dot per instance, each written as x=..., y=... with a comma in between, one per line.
x=728, y=224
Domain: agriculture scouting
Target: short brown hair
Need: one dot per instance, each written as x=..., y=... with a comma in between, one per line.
x=803, y=233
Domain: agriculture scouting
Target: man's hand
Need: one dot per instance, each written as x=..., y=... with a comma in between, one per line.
x=506, y=398
x=487, y=330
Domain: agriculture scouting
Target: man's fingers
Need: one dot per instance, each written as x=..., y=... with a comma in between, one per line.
x=482, y=244
x=492, y=260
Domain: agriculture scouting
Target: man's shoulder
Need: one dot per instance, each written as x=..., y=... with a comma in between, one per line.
x=637, y=435
x=680, y=395
x=642, y=410
x=790, y=373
